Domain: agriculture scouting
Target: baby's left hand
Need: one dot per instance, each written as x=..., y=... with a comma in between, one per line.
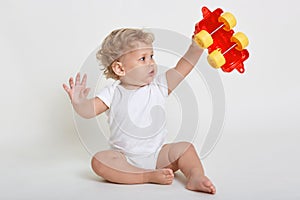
x=194, y=43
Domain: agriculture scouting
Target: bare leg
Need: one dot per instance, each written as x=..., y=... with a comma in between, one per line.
x=113, y=166
x=183, y=156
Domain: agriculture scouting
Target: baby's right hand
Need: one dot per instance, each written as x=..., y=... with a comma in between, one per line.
x=78, y=91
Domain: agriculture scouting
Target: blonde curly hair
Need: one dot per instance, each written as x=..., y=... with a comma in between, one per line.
x=119, y=42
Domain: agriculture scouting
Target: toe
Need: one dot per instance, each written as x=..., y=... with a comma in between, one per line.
x=170, y=172
x=209, y=186
x=207, y=189
x=213, y=189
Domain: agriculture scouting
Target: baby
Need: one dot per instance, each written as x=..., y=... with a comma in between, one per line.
x=135, y=105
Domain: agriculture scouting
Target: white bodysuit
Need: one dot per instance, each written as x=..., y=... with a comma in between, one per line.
x=137, y=120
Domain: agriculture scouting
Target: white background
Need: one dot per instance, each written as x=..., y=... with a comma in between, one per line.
x=42, y=43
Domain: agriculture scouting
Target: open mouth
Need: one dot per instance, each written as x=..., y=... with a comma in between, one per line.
x=151, y=72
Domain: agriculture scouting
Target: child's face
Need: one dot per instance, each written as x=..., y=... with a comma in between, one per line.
x=139, y=66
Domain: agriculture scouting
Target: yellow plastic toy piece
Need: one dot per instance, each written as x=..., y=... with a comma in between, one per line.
x=241, y=40
x=203, y=39
x=216, y=59
x=228, y=19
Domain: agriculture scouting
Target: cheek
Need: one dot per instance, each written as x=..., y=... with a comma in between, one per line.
x=138, y=71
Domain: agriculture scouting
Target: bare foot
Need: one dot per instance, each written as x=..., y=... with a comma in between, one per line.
x=160, y=176
x=198, y=182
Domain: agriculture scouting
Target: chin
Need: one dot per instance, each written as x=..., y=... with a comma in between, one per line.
x=149, y=80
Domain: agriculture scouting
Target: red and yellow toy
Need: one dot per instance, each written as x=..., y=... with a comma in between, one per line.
x=226, y=49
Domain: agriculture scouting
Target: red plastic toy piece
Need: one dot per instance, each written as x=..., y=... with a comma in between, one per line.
x=226, y=49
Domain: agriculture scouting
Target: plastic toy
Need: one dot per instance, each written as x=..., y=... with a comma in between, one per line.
x=226, y=50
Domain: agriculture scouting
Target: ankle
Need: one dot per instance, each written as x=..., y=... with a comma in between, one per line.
x=146, y=177
x=195, y=172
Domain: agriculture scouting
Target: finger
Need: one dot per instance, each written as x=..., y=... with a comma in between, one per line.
x=71, y=82
x=68, y=90
x=77, y=81
x=83, y=82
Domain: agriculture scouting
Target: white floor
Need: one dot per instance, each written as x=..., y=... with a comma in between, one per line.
x=251, y=169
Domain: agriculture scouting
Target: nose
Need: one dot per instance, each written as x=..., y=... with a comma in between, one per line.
x=151, y=62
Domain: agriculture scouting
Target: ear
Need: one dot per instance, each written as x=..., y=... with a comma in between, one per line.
x=118, y=68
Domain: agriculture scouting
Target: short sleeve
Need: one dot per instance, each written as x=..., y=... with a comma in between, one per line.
x=161, y=82
x=106, y=94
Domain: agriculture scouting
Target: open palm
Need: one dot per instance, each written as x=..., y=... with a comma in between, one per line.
x=78, y=91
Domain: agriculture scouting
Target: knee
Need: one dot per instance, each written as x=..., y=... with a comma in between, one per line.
x=104, y=160
x=191, y=147
x=186, y=146
x=179, y=149
x=97, y=165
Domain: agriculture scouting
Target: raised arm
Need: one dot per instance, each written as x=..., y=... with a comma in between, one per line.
x=184, y=66
x=86, y=108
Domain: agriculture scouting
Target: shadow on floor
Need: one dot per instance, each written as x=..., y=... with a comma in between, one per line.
x=89, y=175
x=180, y=178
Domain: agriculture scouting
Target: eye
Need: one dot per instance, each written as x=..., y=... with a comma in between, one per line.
x=152, y=56
x=142, y=58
